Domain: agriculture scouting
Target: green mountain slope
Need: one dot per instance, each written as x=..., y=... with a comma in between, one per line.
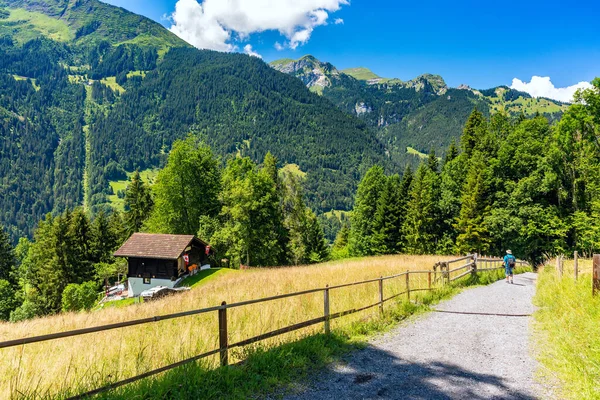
x=90, y=93
x=420, y=114
x=83, y=22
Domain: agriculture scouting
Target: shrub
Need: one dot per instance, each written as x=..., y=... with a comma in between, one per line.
x=79, y=297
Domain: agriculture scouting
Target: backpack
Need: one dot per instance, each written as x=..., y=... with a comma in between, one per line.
x=512, y=262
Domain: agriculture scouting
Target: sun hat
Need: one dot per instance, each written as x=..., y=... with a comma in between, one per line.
x=508, y=252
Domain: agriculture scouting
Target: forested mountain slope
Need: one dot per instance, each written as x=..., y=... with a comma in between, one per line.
x=422, y=114
x=89, y=92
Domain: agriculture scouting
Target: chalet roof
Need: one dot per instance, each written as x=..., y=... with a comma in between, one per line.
x=150, y=245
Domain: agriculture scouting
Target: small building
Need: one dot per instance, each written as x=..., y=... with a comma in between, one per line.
x=161, y=260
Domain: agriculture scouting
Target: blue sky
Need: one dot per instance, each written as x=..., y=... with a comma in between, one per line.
x=482, y=44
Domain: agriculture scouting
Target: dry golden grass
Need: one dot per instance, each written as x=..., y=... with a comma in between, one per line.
x=87, y=361
x=584, y=266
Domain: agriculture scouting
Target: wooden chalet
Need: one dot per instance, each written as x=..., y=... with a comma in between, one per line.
x=161, y=260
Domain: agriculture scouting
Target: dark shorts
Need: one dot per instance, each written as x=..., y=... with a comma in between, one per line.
x=509, y=270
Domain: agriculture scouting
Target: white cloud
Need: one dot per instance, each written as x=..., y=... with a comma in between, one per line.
x=211, y=24
x=338, y=21
x=248, y=50
x=279, y=46
x=543, y=87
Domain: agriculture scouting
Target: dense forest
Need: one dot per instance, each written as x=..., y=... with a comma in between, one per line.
x=86, y=108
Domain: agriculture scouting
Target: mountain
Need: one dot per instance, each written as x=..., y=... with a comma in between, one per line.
x=410, y=117
x=90, y=92
x=83, y=22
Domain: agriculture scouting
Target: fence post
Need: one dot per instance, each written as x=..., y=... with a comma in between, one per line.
x=223, y=343
x=326, y=310
x=559, y=266
x=408, y=286
x=474, y=267
x=596, y=275
x=381, y=295
x=576, y=264
x=447, y=272
x=429, y=280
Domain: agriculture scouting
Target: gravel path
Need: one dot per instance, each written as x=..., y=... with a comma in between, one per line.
x=445, y=355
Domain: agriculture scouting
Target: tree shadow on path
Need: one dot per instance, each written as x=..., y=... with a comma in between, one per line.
x=372, y=373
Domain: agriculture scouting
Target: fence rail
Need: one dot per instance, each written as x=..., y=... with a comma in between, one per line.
x=441, y=277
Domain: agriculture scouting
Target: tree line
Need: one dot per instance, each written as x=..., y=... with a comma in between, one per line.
x=252, y=215
x=522, y=184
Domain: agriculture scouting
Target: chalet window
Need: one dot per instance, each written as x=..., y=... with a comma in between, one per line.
x=147, y=281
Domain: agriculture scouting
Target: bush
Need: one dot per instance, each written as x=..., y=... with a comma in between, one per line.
x=79, y=297
x=27, y=310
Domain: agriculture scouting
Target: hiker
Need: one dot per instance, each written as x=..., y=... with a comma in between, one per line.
x=509, y=265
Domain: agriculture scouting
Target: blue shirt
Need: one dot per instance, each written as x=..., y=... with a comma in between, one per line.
x=507, y=258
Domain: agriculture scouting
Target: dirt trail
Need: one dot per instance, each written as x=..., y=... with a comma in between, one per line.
x=467, y=350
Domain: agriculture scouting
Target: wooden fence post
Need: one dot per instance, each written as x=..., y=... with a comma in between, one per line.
x=596, y=275
x=326, y=310
x=474, y=267
x=429, y=279
x=223, y=342
x=559, y=270
x=576, y=264
x=408, y=286
x=447, y=272
x=381, y=295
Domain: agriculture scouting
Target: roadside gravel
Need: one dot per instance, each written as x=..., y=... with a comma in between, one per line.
x=464, y=351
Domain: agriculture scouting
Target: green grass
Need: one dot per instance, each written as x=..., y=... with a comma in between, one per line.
x=148, y=176
x=295, y=170
x=32, y=25
x=337, y=214
x=415, y=152
x=118, y=303
x=276, y=370
x=360, y=73
x=203, y=277
x=136, y=73
x=568, y=328
x=526, y=106
x=111, y=82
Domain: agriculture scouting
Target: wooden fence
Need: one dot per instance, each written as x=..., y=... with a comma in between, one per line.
x=442, y=274
x=579, y=265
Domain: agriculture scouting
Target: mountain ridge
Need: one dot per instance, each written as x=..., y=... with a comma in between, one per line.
x=421, y=114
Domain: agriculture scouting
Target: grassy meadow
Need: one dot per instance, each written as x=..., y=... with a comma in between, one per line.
x=87, y=361
x=568, y=327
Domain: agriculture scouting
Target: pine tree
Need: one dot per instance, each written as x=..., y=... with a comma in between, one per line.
x=138, y=204
x=362, y=226
x=421, y=226
x=451, y=153
x=473, y=132
x=473, y=235
x=389, y=218
x=7, y=258
x=316, y=245
x=433, y=162
x=104, y=239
